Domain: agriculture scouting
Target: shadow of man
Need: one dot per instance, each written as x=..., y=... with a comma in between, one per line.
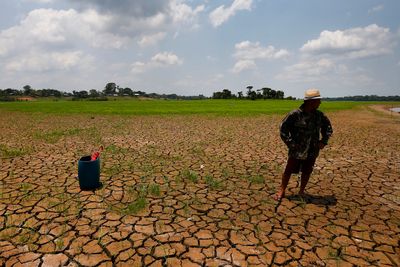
x=329, y=200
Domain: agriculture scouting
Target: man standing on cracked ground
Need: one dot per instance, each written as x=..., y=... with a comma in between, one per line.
x=305, y=131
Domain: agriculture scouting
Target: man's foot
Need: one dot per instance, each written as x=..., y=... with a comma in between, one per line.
x=278, y=196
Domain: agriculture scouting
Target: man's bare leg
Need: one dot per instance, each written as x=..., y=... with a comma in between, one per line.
x=304, y=180
x=284, y=184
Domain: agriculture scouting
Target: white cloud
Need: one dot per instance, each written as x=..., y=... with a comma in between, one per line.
x=166, y=58
x=58, y=30
x=243, y=64
x=56, y=40
x=182, y=13
x=247, y=53
x=375, y=9
x=151, y=39
x=42, y=62
x=139, y=67
x=249, y=50
x=221, y=14
x=144, y=17
x=46, y=39
x=309, y=70
x=97, y=26
x=324, y=71
x=162, y=59
x=136, y=8
x=326, y=60
x=352, y=43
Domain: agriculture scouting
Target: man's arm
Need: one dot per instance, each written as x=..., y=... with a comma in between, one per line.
x=285, y=130
x=326, y=129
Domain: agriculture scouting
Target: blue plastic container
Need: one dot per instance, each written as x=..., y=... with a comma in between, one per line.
x=89, y=173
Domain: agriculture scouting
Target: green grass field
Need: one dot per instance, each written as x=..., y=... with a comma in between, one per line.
x=165, y=107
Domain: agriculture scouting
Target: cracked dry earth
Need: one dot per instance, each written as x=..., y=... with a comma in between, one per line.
x=196, y=191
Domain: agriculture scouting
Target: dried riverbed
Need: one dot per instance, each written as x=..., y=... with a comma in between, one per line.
x=196, y=191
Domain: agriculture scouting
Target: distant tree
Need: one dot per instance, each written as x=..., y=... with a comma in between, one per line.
x=51, y=92
x=250, y=93
x=226, y=94
x=110, y=89
x=240, y=94
x=127, y=91
x=280, y=94
x=171, y=96
x=217, y=95
x=258, y=94
x=249, y=90
x=272, y=94
x=266, y=92
x=28, y=91
x=11, y=92
x=94, y=93
x=80, y=94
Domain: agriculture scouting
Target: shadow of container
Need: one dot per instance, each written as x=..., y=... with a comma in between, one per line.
x=89, y=173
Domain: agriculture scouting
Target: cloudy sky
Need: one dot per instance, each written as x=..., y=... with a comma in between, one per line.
x=192, y=47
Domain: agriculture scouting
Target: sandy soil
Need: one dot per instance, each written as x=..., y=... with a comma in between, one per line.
x=196, y=191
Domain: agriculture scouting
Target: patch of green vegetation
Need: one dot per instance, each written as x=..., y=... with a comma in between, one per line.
x=186, y=208
x=9, y=152
x=143, y=190
x=212, y=182
x=225, y=173
x=137, y=198
x=25, y=236
x=165, y=179
x=136, y=206
x=147, y=168
x=257, y=179
x=167, y=107
x=59, y=243
x=113, y=170
x=25, y=187
x=54, y=136
x=154, y=189
x=112, y=149
x=190, y=175
x=302, y=202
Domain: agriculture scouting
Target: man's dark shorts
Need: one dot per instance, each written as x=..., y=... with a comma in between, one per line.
x=296, y=165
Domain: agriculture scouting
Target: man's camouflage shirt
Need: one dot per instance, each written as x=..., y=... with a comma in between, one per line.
x=302, y=131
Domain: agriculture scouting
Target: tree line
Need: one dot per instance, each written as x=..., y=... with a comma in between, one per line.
x=110, y=90
x=263, y=93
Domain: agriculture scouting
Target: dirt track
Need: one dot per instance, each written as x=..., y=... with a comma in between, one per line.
x=196, y=191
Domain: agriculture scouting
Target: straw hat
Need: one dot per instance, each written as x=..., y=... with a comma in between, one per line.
x=312, y=94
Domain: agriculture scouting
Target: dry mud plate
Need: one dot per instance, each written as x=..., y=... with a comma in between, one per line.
x=196, y=191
